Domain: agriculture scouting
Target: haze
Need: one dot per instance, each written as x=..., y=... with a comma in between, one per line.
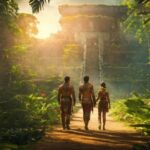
x=49, y=17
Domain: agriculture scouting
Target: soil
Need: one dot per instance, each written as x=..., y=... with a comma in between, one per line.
x=117, y=136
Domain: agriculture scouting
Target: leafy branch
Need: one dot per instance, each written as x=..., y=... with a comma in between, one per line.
x=38, y=5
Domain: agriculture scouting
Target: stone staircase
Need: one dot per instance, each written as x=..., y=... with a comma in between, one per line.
x=92, y=61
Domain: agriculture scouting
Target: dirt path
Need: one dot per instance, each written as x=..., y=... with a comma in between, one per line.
x=116, y=137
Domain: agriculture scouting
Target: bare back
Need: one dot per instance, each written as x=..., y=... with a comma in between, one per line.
x=66, y=90
x=86, y=90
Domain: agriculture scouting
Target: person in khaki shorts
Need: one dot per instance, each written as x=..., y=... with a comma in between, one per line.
x=66, y=98
x=87, y=99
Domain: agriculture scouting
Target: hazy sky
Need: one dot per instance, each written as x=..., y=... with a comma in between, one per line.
x=49, y=16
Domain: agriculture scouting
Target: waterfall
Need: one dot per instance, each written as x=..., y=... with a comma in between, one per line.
x=100, y=58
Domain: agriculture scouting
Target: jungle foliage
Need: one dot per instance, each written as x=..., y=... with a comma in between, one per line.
x=28, y=78
x=28, y=105
x=30, y=72
x=135, y=111
x=138, y=20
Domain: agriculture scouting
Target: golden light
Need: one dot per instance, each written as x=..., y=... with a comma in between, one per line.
x=45, y=30
x=48, y=18
x=48, y=21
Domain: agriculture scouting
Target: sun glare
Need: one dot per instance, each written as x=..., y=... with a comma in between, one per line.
x=44, y=30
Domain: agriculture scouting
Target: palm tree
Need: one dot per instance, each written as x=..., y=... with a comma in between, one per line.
x=37, y=5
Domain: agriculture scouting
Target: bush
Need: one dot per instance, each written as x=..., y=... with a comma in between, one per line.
x=134, y=110
x=25, y=116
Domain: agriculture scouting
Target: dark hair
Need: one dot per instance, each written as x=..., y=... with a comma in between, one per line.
x=103, y=84
x=86, y=79
x=67, y=79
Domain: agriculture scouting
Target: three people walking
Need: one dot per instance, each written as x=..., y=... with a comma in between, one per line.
x=67, y=99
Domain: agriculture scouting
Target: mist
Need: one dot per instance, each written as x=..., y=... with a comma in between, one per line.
x=49, y=17
x=74, y=49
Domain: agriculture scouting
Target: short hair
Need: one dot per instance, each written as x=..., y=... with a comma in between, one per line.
x=86, y=79
x=67, y=79
x=103, y=84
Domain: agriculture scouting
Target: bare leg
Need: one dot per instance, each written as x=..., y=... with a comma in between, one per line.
x=63, y=120
x=86, y=115
x=104, y=119
x=68, y=121
x=86, y=120
x=86, y=124
x=99, y=119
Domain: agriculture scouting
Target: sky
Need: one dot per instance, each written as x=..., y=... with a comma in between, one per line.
x=49, y=17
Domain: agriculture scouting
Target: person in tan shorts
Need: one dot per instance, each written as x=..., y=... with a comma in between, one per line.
x=66, y=98
x=87, y=99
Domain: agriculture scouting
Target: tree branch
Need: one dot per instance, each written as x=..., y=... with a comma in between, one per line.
x=146, y=21
x=37, y=5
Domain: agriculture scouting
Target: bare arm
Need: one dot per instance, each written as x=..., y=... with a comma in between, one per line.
x=108, y=100
x=98, y=97
x=93, y=96
x=59, y=95
x=80, y=94
x=73, y=96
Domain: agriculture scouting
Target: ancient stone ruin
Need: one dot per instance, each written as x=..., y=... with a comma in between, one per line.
x=108, y=54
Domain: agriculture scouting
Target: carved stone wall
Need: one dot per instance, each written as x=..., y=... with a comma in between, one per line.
x=108, y=55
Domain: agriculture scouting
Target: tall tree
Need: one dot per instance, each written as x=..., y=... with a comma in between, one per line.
x=8, y=9
x=138, y=17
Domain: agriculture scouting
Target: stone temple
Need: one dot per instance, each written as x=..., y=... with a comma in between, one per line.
x=109, y=54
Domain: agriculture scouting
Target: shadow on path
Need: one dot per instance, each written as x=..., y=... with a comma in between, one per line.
x=116, y=138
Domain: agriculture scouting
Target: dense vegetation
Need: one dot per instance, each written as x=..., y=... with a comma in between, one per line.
x=135, y=111
x=28, y=104
x=30, y=72
x=138, y=20
x=28, y=78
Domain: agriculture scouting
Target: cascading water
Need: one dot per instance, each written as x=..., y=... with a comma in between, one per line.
x=92, y=65
x=100, y=60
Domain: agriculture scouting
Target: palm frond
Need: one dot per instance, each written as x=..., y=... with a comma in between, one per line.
x=37, y=5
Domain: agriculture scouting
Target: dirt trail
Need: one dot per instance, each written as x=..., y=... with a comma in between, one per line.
x=116, y=137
